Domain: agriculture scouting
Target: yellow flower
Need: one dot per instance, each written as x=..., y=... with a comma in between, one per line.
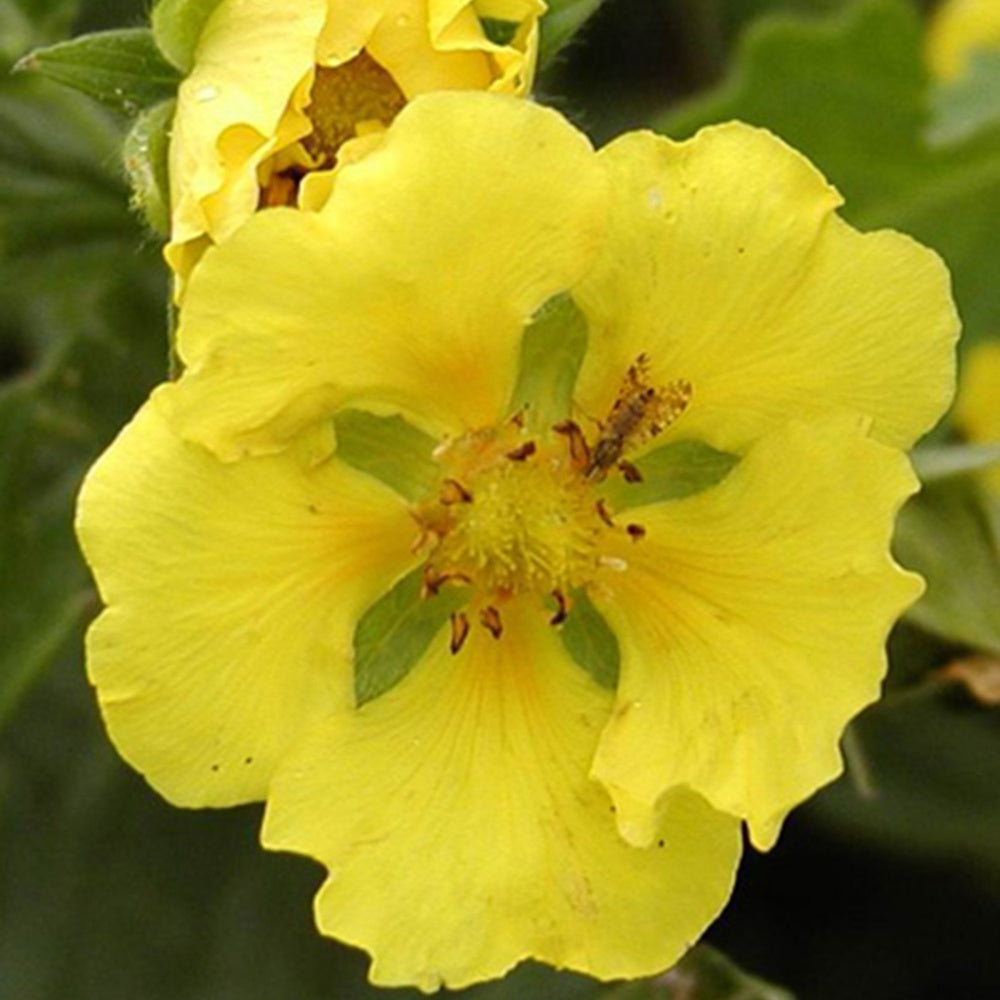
x=589, y=679
x=280, y=94
x=977, y=409
x=957, y=29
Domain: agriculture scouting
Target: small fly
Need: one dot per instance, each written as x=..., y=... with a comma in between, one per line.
x=640, y=412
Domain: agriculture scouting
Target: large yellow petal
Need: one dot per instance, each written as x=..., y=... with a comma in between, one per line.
x=232, y=593
x=228, y=109
x=752, y=622
x=725, y=264
x=463, y=834
x=409, y=290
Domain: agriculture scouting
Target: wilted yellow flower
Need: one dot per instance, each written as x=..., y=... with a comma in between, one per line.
x=957, y=29
x=520, y=525
x=279, y=94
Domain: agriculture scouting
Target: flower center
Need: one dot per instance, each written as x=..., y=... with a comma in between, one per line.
x=519, y=510
x=513, y=515
x=343, y=99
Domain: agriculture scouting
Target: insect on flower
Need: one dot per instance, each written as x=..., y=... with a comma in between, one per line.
x=640, y=412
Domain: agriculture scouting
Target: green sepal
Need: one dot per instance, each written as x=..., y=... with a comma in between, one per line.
x=676, y=470
x=389, y=449
x=144, y=155
x=563, y=20
x=122, y=69
x=950, y=534
x=394, y=633
x=590, y=641
x=552, y=348
x=934, y=462
x=964, y=107
x=177, y=27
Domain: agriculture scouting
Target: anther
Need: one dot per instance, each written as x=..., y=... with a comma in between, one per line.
x=562, y=609
x=603, y=513
x=433, y=581
x=459, y=631
x=635, y=531
x=629, y=472
x=490, y=618
x=579, y=450
x=526, y=450
x=452, y=492
x=426, y=537
x=430, y=584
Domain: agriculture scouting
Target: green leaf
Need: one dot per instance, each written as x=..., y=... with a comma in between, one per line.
x=848, y=91
x=933, y=762
x=702, y=974
x=934, y=462
x=563, y=20
x=590, y=641
x=389, y=449
x=949, y=534
x=109, y=893
x=851, y=93
x=552, y=350
x=144, y=155
x=676, y=470
x=961, y=108
x=79, y=308
x=58, y=185
x=177, y=26
x=28, y=652
x=394, y=633
x=122, y=69
x=43, y=589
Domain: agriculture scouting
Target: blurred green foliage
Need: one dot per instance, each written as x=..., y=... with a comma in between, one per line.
x=962, y=108
x=107, y=892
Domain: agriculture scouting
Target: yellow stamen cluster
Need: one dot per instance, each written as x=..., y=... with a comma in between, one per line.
x=519, y=512
x=512, y=515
